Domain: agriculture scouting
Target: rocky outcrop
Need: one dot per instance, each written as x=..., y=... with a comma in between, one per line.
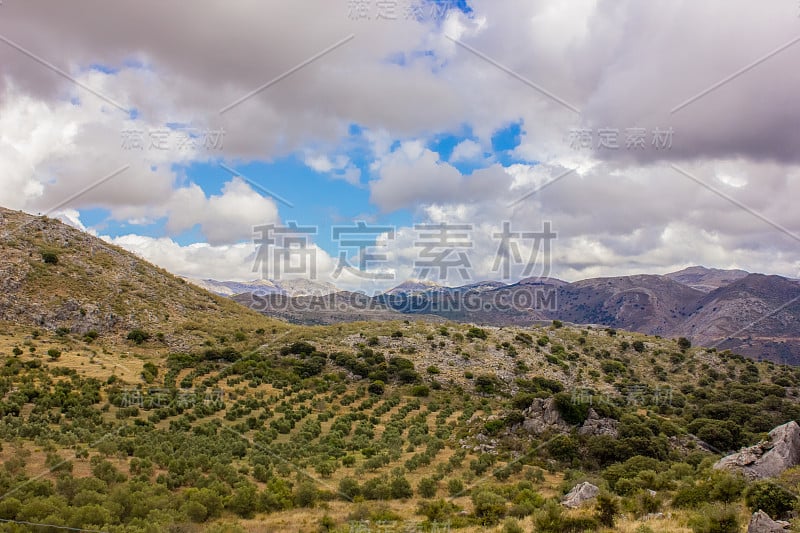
x=595, y=425
x=580, y=494
x=762, y=523
x=768, y=458
x=542, y=416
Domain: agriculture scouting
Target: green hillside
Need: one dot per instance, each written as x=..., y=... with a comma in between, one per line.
x=191, y=413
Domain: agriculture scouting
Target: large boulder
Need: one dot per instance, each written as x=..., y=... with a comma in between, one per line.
x=542, y=415
x=595, y=425
x=768, y=458
x=762, y=523
x=580, y=494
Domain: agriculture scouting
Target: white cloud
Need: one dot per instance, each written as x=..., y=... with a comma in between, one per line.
x=340, y=167
x=466, y=150
x=618, y=62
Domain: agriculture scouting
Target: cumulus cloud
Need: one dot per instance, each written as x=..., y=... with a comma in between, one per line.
x=414, y=175
x=720, y=75
x=466, y=150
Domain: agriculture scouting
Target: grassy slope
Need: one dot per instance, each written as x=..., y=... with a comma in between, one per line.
x=94, y=280
x=420, y=343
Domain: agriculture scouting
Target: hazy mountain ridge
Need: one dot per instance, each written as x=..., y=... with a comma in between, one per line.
x=709, y=306
x=288, y=287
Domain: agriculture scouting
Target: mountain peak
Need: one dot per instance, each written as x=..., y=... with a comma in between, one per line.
x=706, y=279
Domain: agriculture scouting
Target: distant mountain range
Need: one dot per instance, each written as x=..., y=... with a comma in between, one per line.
x=56, y=277
x=288, y=287
x=753, y=314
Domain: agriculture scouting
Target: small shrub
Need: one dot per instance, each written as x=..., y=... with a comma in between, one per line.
x=716, y=519
x=476, y=333
x=138, y=336
x=427, y=487
x=512, y=526
x=606, y=510
x=551, y=519
x=376, y=387
x=489, y=507
x=455, y=487
x=420, y=391
x=50, y=258
x=53, y=353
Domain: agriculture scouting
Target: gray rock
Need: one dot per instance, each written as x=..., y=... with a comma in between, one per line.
x=768, y=458
x=762, y=523
x=594, y=425
x=580, y=494
x=542, y=416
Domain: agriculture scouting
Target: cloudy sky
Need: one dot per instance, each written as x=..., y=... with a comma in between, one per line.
x=649, y=136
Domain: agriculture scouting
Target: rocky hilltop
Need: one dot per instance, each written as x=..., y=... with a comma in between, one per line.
x=53, y=276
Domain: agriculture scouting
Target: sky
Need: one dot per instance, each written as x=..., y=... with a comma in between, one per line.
x=367, y=142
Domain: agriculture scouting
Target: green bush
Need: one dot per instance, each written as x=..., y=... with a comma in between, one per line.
x=50, y=258
x=400, y=488
x=376, y=387
x=510, y=525
x=477, y=333
x=53, y=353
x=138, y=336
x=349, y=488
x=770, y=497
x=455, y=487
x=551, y=519
x=573, y=412
x=196, y=511
x=306, y=495
x=487, y=383
x=420, y=391
x=606, y=510
x=438, y=511
x=716, y=519
x=563, y=448
x=488, y=507
x=427, y=487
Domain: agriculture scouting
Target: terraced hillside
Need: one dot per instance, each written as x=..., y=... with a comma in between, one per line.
x=326, y=427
